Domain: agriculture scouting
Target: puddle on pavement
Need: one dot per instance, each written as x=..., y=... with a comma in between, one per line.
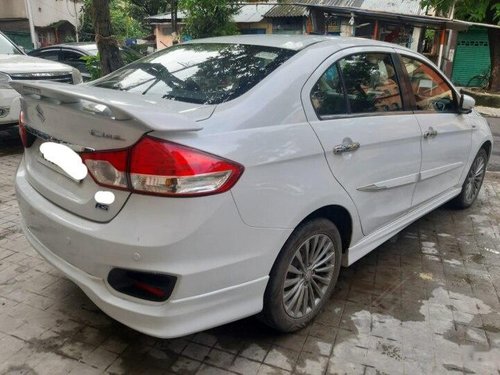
x=477, y=258
x=418, y=336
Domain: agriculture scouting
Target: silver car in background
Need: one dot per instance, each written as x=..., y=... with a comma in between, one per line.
x=15, y=65
x=233, y=176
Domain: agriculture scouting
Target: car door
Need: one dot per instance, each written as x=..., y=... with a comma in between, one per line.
x=446, y=134
x=355, y=105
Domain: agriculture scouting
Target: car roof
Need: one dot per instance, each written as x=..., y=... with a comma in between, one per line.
x=83, y=46
x=293, y=42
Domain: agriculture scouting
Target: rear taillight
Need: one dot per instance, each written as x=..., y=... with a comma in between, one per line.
x=26, y=137
x=22, y=129
x=158, y=167
x=108, y=168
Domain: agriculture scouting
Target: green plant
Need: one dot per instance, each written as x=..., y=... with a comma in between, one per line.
x=209, y=17
x=125, y=19
x=93, y=65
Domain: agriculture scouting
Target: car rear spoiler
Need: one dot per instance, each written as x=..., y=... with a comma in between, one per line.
x=117, y=105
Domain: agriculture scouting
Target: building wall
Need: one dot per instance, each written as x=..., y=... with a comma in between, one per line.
x=14, y=20
x=47, y=12
x=162, y=40
x=10, y=9
x=252, y=28
x=163, y=33
x=289, y=25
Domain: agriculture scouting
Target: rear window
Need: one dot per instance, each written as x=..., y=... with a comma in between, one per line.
x=198, y=73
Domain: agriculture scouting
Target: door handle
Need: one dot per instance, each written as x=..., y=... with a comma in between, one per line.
x=346, y=147
x=430, y=133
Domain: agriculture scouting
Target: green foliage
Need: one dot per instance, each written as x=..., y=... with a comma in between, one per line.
x=139, y=9
x=470, y=10
x=207, y=18
x=126, y=20
x=124, y=25
x=93, y=65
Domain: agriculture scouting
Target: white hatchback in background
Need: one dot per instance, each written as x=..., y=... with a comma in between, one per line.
x=233, y=176
x=15, y=65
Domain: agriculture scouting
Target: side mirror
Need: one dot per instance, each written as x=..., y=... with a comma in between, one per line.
x=466, y=103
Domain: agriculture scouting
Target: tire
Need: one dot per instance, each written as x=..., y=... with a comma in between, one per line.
x=473, y=181
x=323, y=240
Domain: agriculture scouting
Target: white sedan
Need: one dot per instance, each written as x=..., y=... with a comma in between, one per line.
x=234, y=176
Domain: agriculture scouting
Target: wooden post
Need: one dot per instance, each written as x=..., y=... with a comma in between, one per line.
x=441, y=47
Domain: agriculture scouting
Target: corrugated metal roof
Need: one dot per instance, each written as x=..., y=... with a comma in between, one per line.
x=288, y=10
x=247, y=13
x=410, y=7
x=166, y=17
x=252, y=13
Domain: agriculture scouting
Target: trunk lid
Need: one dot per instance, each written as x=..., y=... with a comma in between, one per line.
x=86, y=118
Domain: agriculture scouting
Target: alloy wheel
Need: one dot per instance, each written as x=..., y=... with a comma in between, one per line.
x=475, y=178
x=309, y=275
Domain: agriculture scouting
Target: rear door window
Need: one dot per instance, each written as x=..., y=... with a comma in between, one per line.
x=327, y=96
x=371, y=83
x=208, y=73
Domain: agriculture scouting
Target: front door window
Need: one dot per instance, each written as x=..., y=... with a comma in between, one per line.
x=431, y=91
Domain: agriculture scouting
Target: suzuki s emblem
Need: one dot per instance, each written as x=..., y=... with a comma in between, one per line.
x=40, y=113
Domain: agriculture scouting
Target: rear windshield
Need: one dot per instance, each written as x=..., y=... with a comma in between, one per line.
x=198, y=73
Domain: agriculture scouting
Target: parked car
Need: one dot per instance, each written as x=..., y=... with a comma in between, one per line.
x=74, y=54
x=15, y=65
x=233, y=176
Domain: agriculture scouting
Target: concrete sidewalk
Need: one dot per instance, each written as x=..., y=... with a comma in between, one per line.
x=488, y=111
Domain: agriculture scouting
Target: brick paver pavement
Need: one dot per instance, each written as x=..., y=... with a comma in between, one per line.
x=424, y=302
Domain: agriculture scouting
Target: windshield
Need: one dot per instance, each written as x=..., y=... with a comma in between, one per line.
x=198, y=73
x=7, y=48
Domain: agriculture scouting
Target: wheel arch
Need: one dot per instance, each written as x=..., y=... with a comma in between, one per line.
x=487, y=147
x=339, y=216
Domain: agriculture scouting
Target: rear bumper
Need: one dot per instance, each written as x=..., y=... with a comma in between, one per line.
x=173, y=319
x=221, y=264
x=9, y=107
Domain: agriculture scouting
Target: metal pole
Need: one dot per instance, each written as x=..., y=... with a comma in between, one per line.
x=34, y=40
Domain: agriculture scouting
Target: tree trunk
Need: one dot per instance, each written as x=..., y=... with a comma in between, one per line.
x=173, y=10
x=494, y=37
x=107, y=45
